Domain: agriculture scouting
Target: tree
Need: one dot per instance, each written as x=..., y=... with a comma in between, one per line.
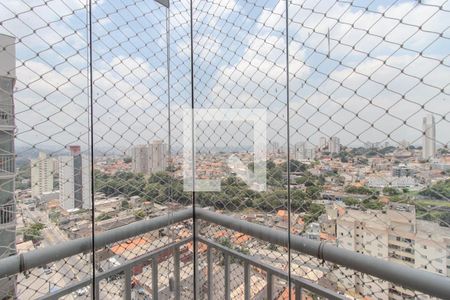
x=371, y=153
x=294, y=166
x=298, y=198
x=362, y=161
x=275, y=177
x=390, y=191
x=351, y=201
x=314, y=212
x=139, y=214
x=440, y=190
x=127, y=159
x=372, y=204
x=33, y=232
x=103, y=217
x=313, y=192
x=160, y=177
x=152, y=191
x=125, y=204
x=362, y=190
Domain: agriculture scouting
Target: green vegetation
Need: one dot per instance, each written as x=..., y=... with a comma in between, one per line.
x=103, y=217
x=390, y=191
x=343, y=156
x=23, y=177
x=313, y=212
x=435, y=203
x=127, y=160
x=439, y=190
x=125, y=204
x=54, y=216
x=33, y=232
x=351, y=202
x=360, y=151
x=294, y=166
x=360, y=190
x=366, y=203
x=372, y=204
x=426, y=209
x=139, y=214
x=234, y=194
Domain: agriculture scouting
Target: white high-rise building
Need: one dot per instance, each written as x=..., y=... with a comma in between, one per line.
x=429, y=137
x=303, y=152
x=7, y=159
x=323, y=143
x=41, y=175
x=157, y=157
x=74, y=180
x=139, y=159
x=148, y=159
x=334, y=146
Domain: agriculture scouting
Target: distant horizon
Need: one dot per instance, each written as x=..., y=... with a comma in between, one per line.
x=48, y=149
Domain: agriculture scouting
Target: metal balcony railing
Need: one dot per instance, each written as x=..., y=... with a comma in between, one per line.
x=7, y=164
x=425, y=283
x=7, y=214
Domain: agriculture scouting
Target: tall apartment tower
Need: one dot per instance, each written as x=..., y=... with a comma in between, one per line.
x=157, y=157
x=7, y=160
x=41, y=175
x=139, y=159
x=334, y=145
x=148, y=159
x=74, y=180
x=322, y=143
x=303, y=152
x=429, y=137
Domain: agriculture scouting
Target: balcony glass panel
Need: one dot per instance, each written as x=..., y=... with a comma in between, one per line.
x=224, y=150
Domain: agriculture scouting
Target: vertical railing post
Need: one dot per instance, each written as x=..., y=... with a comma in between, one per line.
x=196, y=268
x=176, y=274
x=210, y=272
x=226, y=260
x=269, y=286
x=155, y=278
x=127, y=295
x=96, y=291
x=246, y=281
x=298, y=292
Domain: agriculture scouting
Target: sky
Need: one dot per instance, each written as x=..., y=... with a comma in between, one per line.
x=359, y=70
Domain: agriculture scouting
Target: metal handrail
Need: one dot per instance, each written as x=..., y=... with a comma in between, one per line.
x=152, y=255
x=422, y=281
x=296, y=280
x=22, y=262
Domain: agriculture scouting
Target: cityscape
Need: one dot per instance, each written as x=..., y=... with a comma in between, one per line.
x=380, y=200
x=105, y=214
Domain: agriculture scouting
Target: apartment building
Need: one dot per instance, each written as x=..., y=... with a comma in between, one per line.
x=334, y=145
x=395, y=235
x=7, y=157
x=149, y=159
x=139, y=159
x=74, y=180
x=41, y=175
x=304, y=152
x=429, y=137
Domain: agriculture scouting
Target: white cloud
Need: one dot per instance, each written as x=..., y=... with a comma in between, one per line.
x=377, y=55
